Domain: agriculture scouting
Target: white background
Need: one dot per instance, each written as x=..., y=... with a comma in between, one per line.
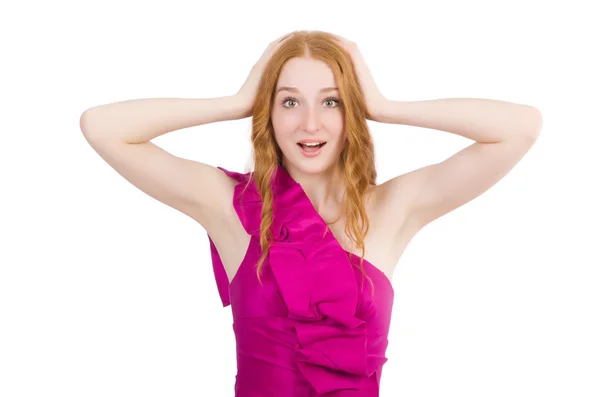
x=105, y=291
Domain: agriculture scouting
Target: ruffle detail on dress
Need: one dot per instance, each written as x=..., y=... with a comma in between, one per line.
x=317, y=283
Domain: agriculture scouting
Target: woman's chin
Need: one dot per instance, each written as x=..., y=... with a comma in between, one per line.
x=312, y=166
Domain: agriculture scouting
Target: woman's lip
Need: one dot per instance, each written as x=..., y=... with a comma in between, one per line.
x=311, y=152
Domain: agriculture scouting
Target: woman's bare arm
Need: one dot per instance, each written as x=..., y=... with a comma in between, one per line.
x=141, y=120
x=121, y=132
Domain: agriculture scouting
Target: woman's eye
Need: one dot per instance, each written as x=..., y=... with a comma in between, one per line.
x=286, y=100
x=327, y=101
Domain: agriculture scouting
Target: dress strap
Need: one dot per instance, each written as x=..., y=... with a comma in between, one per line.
x=220, y=274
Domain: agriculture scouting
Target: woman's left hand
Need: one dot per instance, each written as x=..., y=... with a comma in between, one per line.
x=375, y=101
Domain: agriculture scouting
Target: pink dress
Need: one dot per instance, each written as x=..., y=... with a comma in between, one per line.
x=310, y=329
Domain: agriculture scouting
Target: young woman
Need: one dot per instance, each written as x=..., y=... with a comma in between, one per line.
x=293, y=241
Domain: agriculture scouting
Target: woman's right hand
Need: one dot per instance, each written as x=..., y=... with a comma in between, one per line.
x=247, y=93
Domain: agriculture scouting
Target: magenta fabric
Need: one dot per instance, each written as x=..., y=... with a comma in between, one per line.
x=313, y=328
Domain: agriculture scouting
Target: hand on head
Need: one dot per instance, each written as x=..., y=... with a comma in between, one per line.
x=247, y=93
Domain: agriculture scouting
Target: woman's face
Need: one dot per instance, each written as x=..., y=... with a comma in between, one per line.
x=307, y=107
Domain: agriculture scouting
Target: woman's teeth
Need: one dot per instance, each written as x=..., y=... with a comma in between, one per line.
x=312, y=145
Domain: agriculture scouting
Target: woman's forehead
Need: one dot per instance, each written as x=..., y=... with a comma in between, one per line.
x=306, y=75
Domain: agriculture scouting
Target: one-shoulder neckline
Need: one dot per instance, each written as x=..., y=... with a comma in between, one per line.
x=293, y=181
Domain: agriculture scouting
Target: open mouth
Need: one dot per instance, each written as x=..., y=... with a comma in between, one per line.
x=307, y=146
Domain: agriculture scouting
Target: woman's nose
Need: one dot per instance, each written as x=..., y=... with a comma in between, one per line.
x=311, y=119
